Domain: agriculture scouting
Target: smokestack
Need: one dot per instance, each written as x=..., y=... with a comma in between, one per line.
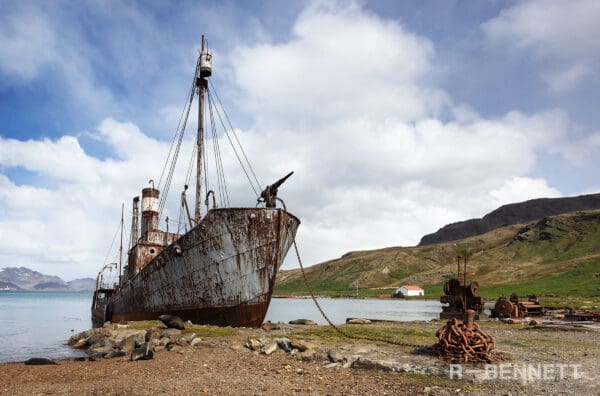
x=135, y=222
x=149, y=211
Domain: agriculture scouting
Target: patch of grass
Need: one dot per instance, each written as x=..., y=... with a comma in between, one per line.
x=144, y=324
x=210, y=331
x=200, y=330
x=389, y=333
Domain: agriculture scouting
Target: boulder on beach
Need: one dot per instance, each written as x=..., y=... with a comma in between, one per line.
x=358, y=321
x=36, y=361
x=302, y=322
x=172, y=321
x=144, y=352
x=268, y=326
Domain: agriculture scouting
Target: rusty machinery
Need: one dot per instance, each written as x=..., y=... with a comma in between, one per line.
x=512, y=308
x=459, y=297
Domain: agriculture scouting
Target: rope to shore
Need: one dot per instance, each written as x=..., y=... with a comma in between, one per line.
x=337, y=328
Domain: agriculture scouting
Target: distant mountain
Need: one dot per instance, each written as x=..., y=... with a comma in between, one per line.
x=82, y=284
x=516, y=213
x=21, y=278
x=556, y=255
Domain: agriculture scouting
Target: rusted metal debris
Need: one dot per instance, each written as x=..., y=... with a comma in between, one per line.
x=460, y=298
x=513, y=308
x=580, y=316
x=464, y=342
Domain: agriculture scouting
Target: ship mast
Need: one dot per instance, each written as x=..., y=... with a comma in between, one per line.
x=121, y=246
x=202, y=85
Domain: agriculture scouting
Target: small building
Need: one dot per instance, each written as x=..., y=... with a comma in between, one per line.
x=409, y=291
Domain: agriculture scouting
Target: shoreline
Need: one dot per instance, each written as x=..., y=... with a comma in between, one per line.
x=221, y=364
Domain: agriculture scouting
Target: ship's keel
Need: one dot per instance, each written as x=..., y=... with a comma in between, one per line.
x=247, y=315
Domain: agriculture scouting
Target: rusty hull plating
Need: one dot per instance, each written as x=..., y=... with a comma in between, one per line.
x=222, y=272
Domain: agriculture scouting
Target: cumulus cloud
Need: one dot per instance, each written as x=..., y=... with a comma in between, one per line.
x=348, y=103
x=374, y=164
x=560, y=34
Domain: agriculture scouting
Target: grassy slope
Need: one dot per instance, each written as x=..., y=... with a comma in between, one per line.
x=557, y=256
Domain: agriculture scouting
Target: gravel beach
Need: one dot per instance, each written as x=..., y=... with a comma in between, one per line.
x=223, y=365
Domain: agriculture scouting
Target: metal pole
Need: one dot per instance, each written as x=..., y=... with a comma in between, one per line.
x=201, y=84
x=121, y=246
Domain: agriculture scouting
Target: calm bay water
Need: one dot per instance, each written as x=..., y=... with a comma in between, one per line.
x=38, y=324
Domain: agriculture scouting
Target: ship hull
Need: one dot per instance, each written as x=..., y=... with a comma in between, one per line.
x=222, y=272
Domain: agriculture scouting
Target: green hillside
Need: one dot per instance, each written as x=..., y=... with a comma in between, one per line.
x=557, y=257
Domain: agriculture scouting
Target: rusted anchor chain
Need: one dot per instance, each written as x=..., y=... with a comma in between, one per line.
x=464, y=342
x=338, y=329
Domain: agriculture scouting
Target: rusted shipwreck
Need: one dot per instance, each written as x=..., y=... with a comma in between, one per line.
x=220, y=271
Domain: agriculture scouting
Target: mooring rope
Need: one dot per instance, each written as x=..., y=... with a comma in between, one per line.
x=337, y=328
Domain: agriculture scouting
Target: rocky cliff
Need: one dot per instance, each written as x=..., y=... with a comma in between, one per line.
x=517, y=213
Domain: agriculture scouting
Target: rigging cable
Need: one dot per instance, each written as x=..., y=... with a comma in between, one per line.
x=167, y=184
x=222, y=185
x=337, y=328
x=258, y=184
x=189, y=98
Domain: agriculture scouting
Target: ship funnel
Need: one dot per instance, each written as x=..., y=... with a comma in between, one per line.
x=149, y=210
x=135, y=222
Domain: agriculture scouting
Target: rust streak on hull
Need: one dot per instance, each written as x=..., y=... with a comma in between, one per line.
x=222, y=272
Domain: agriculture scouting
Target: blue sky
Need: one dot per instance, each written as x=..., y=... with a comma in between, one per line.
x=398, y=117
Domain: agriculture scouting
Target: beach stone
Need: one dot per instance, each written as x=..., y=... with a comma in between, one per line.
x=95, y=339
x=301, y=345
x=159, y=348
x=269, y=348
x=114, y=354
x=80, y=344
x=36, y=361
x=535, y=322
x=120, y=334
x=335, y=356
x=253, y=344
x=170, y=333
x=302, y=322
x=102, y=349
x=152, y=334
x=142, y=353
x=188, y=323
x=307, y=355
x=172, y=321
x=190, y=337
x=358, y=321
x=164, y=341
x=128, y=344
x=268, y=326
x=94, y=357
x=284, y=343
x=196, y=341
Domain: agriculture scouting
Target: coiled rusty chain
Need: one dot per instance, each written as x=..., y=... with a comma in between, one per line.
x=464, y=342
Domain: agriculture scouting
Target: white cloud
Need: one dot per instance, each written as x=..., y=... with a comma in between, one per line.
x=562, y=34
x=374, y=165
x=519, y=189
x=348, y=103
